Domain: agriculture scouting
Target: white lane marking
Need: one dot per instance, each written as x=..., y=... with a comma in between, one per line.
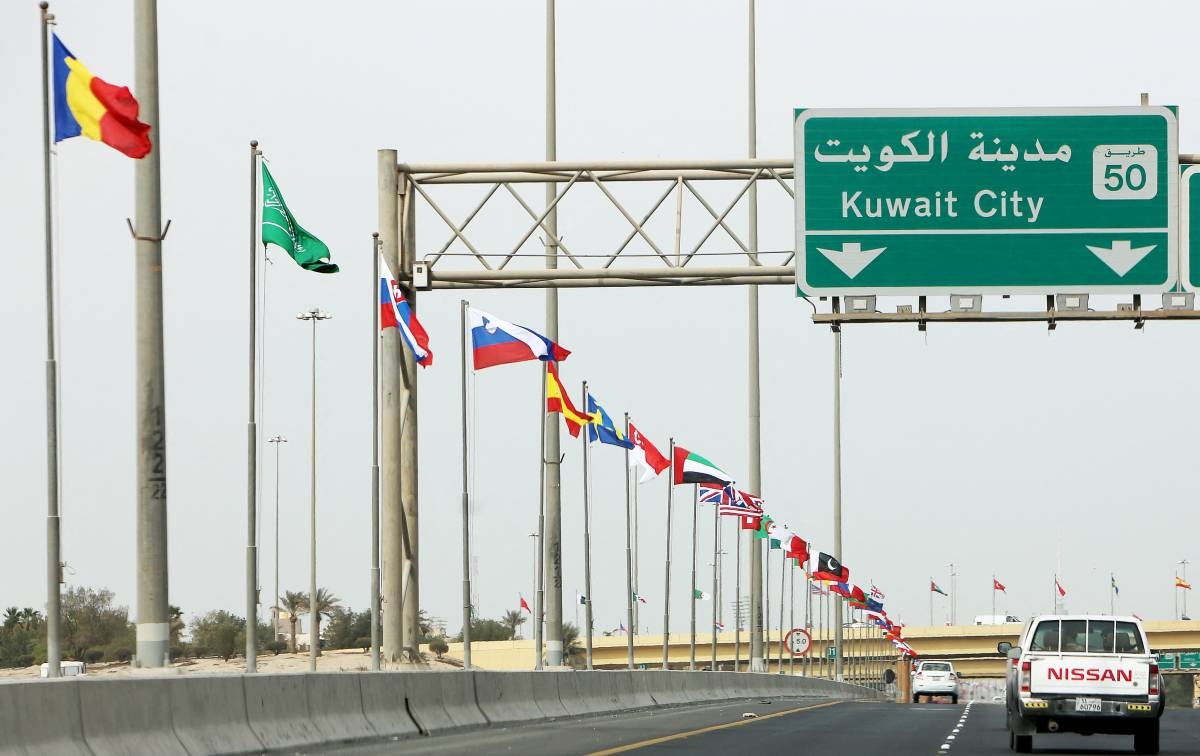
x=953, y=735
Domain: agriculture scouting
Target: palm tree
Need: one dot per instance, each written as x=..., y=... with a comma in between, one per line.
x=31, y=619
x=294, y=602
x=12, y=615
x=326, y=601
x=512, y=620
x=570, y=639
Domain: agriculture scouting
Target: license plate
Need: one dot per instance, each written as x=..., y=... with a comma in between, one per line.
x=1087, y=704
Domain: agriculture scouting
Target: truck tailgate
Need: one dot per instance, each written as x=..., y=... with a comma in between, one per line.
x=1085, y=675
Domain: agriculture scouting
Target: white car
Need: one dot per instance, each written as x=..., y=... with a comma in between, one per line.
x=934, y=678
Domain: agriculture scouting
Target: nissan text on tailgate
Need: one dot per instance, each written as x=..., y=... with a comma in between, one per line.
x=1085, y=674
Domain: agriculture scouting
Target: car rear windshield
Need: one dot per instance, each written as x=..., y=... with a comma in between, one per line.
x=935, y=667
x=1087, y=636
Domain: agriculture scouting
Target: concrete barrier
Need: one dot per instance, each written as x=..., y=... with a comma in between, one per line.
x=384, y=704
x=629, y=693
x=277, y=710
x=128, y=717
x=208, y=714
x=441, y=701
x=546, y=695
x=506, y=697
x=335, y=705
x=42, y=717
x=283, y=712
x=588, y=692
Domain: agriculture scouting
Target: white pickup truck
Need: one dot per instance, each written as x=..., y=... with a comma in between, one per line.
x=1086, y=674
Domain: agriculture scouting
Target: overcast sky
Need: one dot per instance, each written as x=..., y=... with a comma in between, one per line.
x=998, y=448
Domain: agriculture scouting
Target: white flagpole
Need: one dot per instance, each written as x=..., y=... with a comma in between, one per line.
x=587, y=533
x=716, y=575
x=767, y=603
x=666, y=599
x=539, y=618
x=695, y=507
x=737, y=597
x=466, y=496
x=629, y=601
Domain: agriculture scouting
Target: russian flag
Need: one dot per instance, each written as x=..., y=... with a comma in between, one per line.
x=395, y=312
x=498, y=342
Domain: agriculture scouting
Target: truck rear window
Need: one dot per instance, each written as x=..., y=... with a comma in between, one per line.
x=1087, y=636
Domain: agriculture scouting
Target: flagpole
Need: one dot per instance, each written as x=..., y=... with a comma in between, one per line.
x=541, y=563
x=716, y=600
x=666, y=599
x=252, y=432
x=782, y=587
x=375, y=578
x=637, y=611
x=993, y=597
x=806, y=666
x=466, y=495
x=587, y=533
x=629, y=602
x=931, y=602
x=792, y=615
x=53, y=518
x=1112, y=581
x=695, y=508
x=766, y=594
x=737, y=597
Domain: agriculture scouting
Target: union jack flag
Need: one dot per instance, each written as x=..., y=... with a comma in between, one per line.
x=876, y=593
x=816, y=590
x=715, y=493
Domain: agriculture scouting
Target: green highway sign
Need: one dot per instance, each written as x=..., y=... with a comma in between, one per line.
x=1189, y=660
x=987, y=201
x=1166, y=661
x=1189, y=237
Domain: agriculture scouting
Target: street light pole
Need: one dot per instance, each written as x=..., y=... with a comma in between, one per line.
x=277, y=440
x=314, y=315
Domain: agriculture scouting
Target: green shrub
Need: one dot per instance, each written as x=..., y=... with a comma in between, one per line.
x=276, y=647
x=93, y=655
x=364, y=643
x=438, y=646
x=25, y=660
x=124, y=654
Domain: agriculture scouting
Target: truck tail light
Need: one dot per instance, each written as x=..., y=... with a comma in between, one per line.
x=1153, y=679
x=1025, y=670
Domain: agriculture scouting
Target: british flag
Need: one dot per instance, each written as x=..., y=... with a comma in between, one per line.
x=715, y=493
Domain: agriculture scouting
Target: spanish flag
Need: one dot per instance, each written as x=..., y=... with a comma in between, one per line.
x=88, y=105
x=1181, y=583
x=558, y=400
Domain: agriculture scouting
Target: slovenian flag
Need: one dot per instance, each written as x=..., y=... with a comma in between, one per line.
x=690, y=467
x=395, y=312
x=498, y=342
x=85, y=104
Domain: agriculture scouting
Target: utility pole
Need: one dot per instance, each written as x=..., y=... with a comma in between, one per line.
x=315, y=315
x=837, y=489
x=153, y=620
x=553, y=544
x=391, y=513
x=753, y=407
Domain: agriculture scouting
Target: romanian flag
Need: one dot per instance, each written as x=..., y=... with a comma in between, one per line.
x=88, y=105
x=1181, y=583
x=558, y=400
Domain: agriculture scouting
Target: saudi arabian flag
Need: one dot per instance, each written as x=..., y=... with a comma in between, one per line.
x=699, y=594
x=280, y=228
x=689, y=467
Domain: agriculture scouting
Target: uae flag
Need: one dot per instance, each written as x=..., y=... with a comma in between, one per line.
x=829, y=568
x=690, y=467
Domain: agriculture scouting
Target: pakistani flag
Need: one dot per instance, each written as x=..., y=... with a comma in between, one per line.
x=280, y=228
x=689, y=467
x=699, y=594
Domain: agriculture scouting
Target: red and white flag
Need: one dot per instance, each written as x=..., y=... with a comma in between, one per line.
x=998, y=586
x=646, y=456
x=525, y=604
x=1058, y=587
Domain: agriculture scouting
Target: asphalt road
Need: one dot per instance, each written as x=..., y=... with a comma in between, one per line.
x=808, y=726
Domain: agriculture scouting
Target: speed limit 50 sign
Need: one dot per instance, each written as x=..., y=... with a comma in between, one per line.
x=798, y=641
